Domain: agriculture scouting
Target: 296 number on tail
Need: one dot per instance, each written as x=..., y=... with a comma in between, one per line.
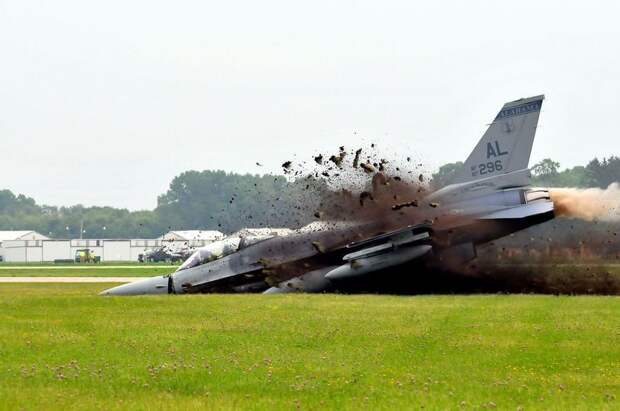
x=490, y=167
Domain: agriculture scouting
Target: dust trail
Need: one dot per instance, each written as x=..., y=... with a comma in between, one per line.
x=588, y=203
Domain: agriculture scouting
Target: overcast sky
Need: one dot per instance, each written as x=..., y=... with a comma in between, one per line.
x=103, y=103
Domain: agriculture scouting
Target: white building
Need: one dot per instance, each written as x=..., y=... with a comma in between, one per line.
x=46, y=250
x=22, y=235
x=263, y=231
x=28, y=251
x=192, y=235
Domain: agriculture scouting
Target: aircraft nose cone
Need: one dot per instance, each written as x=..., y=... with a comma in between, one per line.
x=153, y=285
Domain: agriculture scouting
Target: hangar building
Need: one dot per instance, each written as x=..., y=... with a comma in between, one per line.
x=22, y=235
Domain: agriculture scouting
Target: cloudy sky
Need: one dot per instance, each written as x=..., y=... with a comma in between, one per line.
x=102, y=103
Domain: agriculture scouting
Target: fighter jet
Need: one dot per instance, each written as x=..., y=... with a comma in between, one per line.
x=490, y=197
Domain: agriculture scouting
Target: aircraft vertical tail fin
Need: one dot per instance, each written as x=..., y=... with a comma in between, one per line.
x=507, y=144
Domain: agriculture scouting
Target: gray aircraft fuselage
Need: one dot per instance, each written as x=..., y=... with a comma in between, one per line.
x=490, y=197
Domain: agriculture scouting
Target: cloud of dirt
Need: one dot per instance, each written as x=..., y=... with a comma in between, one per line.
x=588, y=203
x=358, y=185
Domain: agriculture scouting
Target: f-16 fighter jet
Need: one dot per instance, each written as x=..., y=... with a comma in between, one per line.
x=489, y=198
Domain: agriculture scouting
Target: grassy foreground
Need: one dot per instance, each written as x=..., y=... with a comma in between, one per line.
x=63, y=347
x=86, y=270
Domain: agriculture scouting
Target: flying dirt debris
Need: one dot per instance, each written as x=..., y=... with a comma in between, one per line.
x=356, y=160
x=372, y=236
x=367, y=167
x=397, y=207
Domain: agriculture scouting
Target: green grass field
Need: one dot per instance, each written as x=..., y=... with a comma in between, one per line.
x=63, y=347
x=85, y=270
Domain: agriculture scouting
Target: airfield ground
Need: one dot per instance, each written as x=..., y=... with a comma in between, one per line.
x=85, y=270
x=64, y=347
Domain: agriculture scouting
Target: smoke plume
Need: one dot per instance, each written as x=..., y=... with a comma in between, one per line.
x=588, y=203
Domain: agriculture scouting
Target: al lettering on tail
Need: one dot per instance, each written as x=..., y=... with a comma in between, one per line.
x=507, y=144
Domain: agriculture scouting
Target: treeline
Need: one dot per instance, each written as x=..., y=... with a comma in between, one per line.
x=216, y=200
x=547, y=173
x=210, y=200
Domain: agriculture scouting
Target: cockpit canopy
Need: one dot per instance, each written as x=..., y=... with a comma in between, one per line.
x=211, y=252
x=219, y=249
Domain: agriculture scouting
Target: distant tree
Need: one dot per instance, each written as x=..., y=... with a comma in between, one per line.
x=545, y=168
x=445, y=174
x=573, y=177
x=547, y=173
x=228, y=202
x=603, y=173
x=20, y=204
